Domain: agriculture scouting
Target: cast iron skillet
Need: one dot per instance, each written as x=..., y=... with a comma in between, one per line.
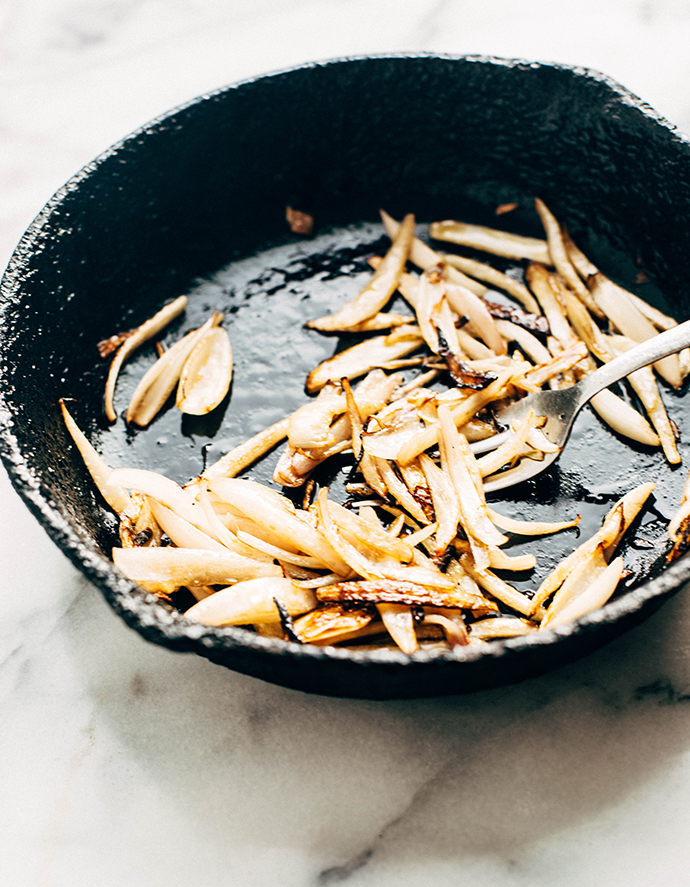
x=205, y=188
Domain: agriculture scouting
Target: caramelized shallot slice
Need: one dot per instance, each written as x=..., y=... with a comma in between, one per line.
x=394, y=591
x=614, y=526
x=378, y=290
x=159, y=381
x=491, y=240
x=206, y=374
x=592, y=598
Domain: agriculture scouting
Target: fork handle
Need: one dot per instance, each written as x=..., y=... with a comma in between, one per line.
x=668, y=342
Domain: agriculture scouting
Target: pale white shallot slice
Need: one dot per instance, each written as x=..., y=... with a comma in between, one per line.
x=253, y=601
x=397, y=618
x=142, y=334
x=616, y=303
x=275, y=512
x=206, y=374
x=114, y=494
x=424, y=257
x=189, y=566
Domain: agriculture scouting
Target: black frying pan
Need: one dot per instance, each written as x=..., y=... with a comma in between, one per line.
x=195, y=202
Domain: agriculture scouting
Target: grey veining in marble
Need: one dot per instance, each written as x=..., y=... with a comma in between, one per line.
x=122, y=763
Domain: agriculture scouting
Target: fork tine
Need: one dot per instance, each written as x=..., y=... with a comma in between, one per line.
x=524, y=470
x=479, y=447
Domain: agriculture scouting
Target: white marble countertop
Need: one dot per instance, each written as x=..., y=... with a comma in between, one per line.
x=122, y=763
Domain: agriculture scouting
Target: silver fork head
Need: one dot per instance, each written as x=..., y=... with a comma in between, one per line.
x=559, y=407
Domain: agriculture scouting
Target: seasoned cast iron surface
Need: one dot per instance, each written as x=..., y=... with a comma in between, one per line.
x=195, y=203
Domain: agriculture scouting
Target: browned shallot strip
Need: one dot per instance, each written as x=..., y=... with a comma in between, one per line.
x=378, y=290
x=392, y=591
x=363, y=357
x=560, y=258
x=332, y=624
x=424, y=257
x=251, y=602
x=593, y=598
x=491, y=240
x=142, y=334
x=614, y=526
x=498, y=279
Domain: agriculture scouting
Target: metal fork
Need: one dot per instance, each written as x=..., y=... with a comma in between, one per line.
x=561, y=406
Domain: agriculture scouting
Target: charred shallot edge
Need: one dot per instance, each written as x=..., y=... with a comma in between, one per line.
x=534, y=323
x=378, y=290
x=142, y=334
x=160, y=379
